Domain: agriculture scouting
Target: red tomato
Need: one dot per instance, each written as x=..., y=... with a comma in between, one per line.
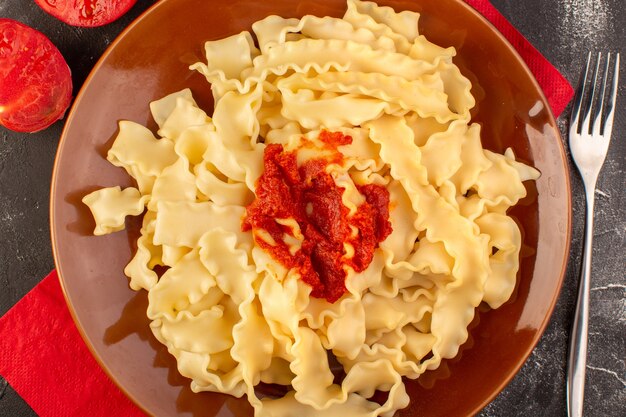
x=35, y=81
x=86, y=13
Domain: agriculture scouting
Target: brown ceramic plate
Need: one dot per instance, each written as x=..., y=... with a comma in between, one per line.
x=150, y=60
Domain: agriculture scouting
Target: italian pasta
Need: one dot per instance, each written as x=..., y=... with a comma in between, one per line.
x=233, y=312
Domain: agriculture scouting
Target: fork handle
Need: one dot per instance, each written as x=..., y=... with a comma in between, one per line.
x=577, y=361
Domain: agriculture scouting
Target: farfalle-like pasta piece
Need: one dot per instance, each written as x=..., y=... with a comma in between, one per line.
x=506, y=239
x=185, y=114
x=175, y=183
x=501, y=182
x=147, y=256
x=339, y=54
x=161, y=109
x=394, y=95
x=221, y=192
x=110, y=206
x=370, y=16
x=441, y=155
x=136, y=146
x=403, y=23
x=184, y=284
x=182, y=223
x=275, y=30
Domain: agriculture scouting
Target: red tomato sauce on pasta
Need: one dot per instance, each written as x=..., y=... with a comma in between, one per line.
x=309, y=195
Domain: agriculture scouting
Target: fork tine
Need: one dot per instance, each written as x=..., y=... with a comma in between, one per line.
x=580, y=93
x=608, y=124
x=586, y=126
x=597, y=120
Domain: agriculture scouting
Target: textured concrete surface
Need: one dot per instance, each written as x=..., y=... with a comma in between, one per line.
x=563, y=30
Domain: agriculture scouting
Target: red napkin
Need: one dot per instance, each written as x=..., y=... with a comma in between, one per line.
x=557, y=89
x=42, y=354
x=45, y=360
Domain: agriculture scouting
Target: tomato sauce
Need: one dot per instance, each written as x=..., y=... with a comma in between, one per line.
x=309, y=195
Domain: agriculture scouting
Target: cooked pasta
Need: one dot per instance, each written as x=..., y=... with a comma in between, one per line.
x=370, y=106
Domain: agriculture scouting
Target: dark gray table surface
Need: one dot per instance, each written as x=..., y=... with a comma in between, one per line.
x=563, y=30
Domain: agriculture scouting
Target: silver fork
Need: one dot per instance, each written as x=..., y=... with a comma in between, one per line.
x=589, y=143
